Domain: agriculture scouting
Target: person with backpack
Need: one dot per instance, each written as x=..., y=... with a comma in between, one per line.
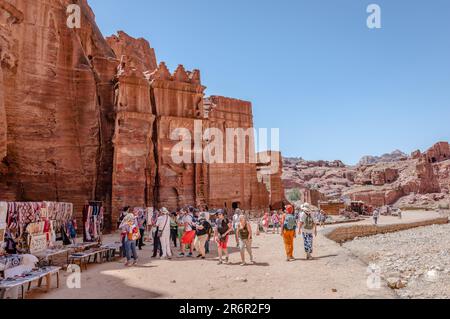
x=189, y=233
x=288, y=232
x=244, y=231
x=201, y=230
x=222, y=232
x=308, y=228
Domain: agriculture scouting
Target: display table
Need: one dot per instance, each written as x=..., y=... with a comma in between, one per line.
x=84, y=258
x=112, y=250
x=49, y=254
x=82, y=246
x=29, y=278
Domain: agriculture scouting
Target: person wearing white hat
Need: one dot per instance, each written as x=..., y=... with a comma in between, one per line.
x=308, y=229
x=163, y=224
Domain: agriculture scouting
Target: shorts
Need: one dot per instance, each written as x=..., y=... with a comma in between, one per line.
x=188, y=237
x=223, y=244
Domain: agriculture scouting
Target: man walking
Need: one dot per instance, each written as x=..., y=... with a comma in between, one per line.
x=202, y=232
x=163, y=224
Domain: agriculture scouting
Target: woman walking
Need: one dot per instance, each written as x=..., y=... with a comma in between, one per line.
x=123, y=233
x=222, y=232
x=189, y=234
x=245, y=239
x=308, y=228
x=130, y=227
x=289, y=226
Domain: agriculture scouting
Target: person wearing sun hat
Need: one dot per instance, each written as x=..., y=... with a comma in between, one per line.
x=308, y=229
x=163, y=224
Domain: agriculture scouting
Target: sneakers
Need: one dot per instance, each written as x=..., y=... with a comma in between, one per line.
x=243, y=264
x=135, y=262
x=190, y=255
x=180, y=255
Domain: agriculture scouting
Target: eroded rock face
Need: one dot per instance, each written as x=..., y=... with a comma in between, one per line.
x=438, y=153
x=55, y=102
x=270, y=170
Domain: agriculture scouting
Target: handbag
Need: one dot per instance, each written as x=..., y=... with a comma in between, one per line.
x=160, y=231
x=134, y=234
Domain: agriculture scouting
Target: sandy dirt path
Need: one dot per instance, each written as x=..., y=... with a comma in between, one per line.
x=334, y=274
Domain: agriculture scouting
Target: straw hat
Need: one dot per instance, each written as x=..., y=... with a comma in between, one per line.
x=165, y=211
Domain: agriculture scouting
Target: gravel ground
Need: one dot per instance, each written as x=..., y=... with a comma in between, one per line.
x=416, y=262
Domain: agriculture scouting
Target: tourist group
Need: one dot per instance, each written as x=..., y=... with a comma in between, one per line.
x=190, y=231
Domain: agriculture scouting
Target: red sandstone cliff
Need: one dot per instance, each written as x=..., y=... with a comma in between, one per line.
x=55, y=104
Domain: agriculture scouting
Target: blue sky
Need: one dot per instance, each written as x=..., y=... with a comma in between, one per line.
x=336, y=89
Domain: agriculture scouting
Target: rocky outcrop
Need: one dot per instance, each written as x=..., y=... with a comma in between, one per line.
x=385, y=183
x=386, y=158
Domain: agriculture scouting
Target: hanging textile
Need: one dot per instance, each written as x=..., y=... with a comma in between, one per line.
x=93, y=221
x=33, y=223
x=3, y=214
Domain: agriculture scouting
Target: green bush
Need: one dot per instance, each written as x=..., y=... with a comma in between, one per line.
x=294, y=195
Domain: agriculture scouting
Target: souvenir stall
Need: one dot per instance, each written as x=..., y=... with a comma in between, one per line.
x=30, y=230
x=37, y=226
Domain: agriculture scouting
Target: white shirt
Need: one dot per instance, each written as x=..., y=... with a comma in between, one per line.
x=188, y=219
x=161, y=221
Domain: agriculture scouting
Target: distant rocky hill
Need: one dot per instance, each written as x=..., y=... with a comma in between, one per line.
x=418, y=180
x=390, y=157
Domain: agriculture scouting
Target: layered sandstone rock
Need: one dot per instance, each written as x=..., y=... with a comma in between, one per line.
x=241, y=185
x=57, y=103
x=270, y=170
